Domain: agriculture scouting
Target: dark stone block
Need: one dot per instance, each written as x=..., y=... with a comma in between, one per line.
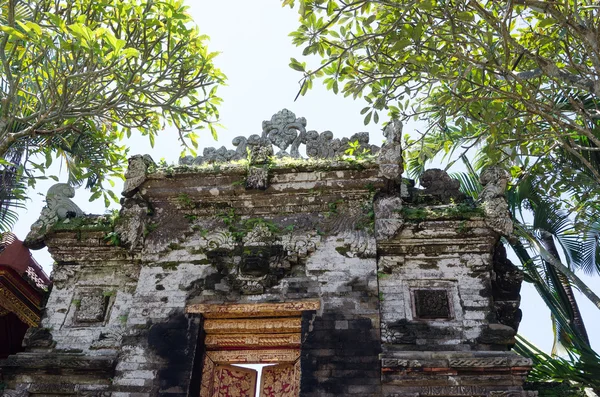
x=497, y=334
x=344, y=356
x=175, y=341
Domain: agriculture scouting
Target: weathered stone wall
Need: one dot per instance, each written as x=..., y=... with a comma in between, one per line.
x=313, y=229
x=415, y=297
x=453, y=258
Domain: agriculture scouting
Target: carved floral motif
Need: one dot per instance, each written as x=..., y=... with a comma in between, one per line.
x=230, y=381
x=279, y=381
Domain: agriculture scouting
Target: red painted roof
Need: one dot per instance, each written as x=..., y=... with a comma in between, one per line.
x=15, y=255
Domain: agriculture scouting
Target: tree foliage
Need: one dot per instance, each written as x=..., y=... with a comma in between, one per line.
x=78, y=76
x=516, y=81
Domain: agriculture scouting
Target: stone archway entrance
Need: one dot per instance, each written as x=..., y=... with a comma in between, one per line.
x=264, y=333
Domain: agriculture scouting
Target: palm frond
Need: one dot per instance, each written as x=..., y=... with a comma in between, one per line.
x=581, y=365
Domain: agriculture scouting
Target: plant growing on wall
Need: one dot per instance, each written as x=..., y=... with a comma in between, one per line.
x=76, y=77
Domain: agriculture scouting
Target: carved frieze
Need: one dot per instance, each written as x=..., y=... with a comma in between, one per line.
x=236, y=326
x=478, y=362
x=254, y=356
x=283, y=309
x=15, y=393
x=248, y=341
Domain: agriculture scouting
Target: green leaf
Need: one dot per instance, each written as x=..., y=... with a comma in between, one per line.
x=131, y=53
x=294, y=64
x=546, y=22
x=331, y=6
x=12, y=32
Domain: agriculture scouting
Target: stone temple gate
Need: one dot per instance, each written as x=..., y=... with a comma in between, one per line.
x=342, y=274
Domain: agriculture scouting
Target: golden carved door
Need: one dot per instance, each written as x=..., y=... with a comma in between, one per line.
x=281, y=380
x=227, y=380
x=230, y=381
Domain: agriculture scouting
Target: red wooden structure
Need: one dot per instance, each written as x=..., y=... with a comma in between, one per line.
x=23, y=286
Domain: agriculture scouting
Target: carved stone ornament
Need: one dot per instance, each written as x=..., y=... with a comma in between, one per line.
x=441, y=186
x=258, y=177
x=92, y=307
x=390, y=156
x=132, y=221
x=136, y=173
x=495, y=206
x=110, y=339
x=432, y=304
x=388, y=219
x=58, y=207
x=63, y=274
x=38, y=337
x=506, y=285
x=250, y=269
x=284, y=130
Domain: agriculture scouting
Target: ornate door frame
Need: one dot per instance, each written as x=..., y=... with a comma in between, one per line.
x=253, y=333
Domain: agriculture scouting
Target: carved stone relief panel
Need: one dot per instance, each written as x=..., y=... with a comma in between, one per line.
x=91, y=306
x=431, y=304
x=430, y=299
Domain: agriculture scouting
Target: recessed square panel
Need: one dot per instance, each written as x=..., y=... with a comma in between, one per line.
x=91, y=307
x=432, y=304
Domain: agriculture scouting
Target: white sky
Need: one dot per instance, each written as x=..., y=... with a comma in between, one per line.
x=252, y=37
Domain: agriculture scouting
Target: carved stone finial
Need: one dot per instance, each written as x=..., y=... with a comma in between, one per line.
x=438, y=183
x=284, y=130
x=136, y=173
x=495, y=206
x=390, y=156
x=58, y=207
